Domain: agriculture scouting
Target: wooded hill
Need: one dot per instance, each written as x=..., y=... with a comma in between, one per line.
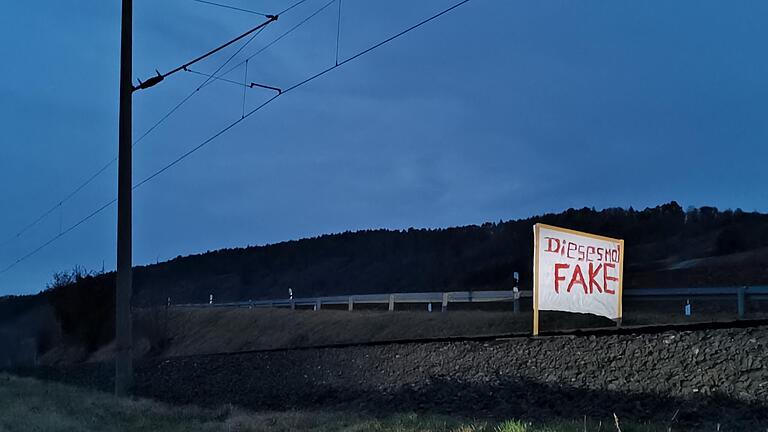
x=666, y=246
x=674, y=245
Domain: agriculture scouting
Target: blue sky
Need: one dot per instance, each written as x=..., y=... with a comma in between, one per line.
x=498, y=110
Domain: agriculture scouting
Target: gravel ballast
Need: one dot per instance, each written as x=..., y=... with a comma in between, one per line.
x=700, y=377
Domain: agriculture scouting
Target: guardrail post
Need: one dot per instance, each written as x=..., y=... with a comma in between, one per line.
x=318, y=304
x=445, y=301
x=351, y=303
x=741, y=295
x=391, y=302
x=516, y=304
x=293, y=305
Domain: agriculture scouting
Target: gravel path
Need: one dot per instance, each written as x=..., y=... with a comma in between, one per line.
x=710, y=376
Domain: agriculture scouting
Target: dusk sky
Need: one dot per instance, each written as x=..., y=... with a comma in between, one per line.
x=496, y=110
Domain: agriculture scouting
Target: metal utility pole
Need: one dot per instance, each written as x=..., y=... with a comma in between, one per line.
x=123, y=336
x=124, y=289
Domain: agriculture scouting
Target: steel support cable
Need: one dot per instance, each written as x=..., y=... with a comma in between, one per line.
x=233, y=124
x=245, y=82
x=338, y=33
x=197, y=89
x=61, y=234
x=160, y=77
x=286, y=33
x=215, y=78
x=156, y=125
x=114, y=159
x=295, y=86
x=292, y=6
x=230, y=7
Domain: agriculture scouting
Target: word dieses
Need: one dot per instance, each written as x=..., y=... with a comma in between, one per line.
x=577, y=272
x=596, y=266
x=581, y=252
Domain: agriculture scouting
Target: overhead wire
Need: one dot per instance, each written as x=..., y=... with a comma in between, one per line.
x=58, y=236
x=216, y=78
x=245, y=82
x=160, y=77
x=338, y=33
x=235, y=123
x=93, y=177
x=292, y=6
x=230, y=7
x=112, y=161
x=279, y=38
x=253, y=36
x=295, y=86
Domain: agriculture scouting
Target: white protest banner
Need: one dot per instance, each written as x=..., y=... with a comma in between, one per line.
x=576, y=272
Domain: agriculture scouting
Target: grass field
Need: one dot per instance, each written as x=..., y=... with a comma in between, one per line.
x=30, y=405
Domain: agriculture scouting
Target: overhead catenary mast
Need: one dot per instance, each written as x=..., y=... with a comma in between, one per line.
x=124, y=288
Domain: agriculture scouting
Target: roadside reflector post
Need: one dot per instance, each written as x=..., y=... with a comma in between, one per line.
x=351, y=303
x=391, y=302
x=536, y=235
x=741, y=296
x=445, y=302
x=318, y=304
x=516, y=301
x=293, y=304
x=516, y=292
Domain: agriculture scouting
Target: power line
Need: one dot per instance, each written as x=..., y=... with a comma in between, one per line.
x=59, y=204
x=244, y=84
x=197, y=89
x=338, y=33
x=93, y=177
x=230, y=7
x=192, y=71
x=160, y=77
x=245, y=80
x=295, y=86
x=233, y=124
x=293, y=6
x=61, y=234
x=286, y=33
x=213, y=75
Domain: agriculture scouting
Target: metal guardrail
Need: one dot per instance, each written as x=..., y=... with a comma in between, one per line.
x=444, y=298
x=741, y=295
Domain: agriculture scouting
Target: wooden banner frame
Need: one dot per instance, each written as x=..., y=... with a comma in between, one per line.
x=536, y=235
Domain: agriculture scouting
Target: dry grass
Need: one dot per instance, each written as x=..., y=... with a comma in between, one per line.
x=28, y=405
x=200, y=331
x=182, y=332
x=194, y=331
x=206, y=331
